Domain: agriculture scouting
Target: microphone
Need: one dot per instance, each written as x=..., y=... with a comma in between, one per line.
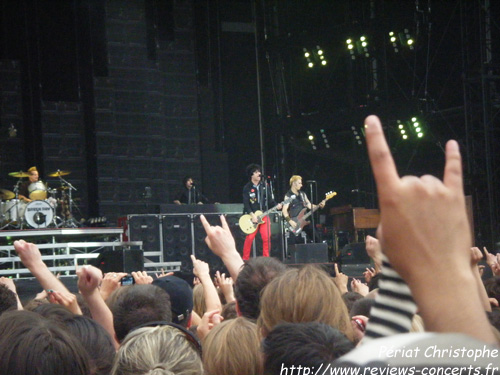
x=355, y=191
x=311, y=181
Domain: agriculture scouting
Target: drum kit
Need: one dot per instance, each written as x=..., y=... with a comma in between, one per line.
x=48, y=207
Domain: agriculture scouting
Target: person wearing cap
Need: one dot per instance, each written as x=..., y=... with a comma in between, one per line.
x=181, y=298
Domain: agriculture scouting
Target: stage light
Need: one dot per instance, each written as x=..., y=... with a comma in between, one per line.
x=323, y=62
x=311, y=137
x=405, y=136
x=310, y=64
x=420, y=135
x=307, y=54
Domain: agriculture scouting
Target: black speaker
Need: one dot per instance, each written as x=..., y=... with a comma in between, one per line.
x=354, y=253
x=120, y=260
x=177, y=241
x=145, y=228
x=309, y=253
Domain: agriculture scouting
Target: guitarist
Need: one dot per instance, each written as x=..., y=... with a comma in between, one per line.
x=292, y=210
x=257, y=196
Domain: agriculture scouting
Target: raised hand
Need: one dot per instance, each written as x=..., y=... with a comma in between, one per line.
x=493, y=261
x=89, y=279
x=423, y=226
x=359, y=287
x=340, y=280
x=142, y=277
x=221, y=241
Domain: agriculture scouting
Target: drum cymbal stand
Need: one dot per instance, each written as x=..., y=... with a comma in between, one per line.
x=69, y=222
x=20, y=220
x=2, y=217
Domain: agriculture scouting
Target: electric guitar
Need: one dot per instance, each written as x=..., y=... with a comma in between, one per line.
x=248, y=226
x=300, y=219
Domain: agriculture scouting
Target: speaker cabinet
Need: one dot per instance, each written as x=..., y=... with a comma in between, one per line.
x=177, y=240
x=120, y=261
x=309, y=253
x=145, y=228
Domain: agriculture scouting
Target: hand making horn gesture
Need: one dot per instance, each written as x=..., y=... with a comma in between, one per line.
x=423, y=228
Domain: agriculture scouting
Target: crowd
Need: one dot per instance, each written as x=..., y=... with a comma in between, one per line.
x=424, y=306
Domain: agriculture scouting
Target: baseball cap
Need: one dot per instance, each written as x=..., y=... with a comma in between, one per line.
x=181, y=297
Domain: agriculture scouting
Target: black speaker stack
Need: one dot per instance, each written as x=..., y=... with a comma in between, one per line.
x=179, y=235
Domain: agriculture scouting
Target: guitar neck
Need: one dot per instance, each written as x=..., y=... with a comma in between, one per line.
x=312, y=211
x=264, y=214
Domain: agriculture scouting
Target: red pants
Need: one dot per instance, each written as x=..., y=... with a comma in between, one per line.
x=265, y=232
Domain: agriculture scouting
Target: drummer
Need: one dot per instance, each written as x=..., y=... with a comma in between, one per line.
x=23, y=189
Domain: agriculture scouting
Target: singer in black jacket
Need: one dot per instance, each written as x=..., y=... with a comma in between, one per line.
x=257, y=196
x=189, y=193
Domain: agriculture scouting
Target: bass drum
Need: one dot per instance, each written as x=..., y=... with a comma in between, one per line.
x=39, y=214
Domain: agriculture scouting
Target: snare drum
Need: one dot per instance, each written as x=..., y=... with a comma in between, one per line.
x=38, y=191
x=12, y=209
x=39, y=214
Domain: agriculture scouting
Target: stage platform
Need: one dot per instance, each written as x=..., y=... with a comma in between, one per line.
x=64, y=249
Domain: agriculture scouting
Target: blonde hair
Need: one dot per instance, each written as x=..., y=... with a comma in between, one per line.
x=233, y=347
x=157, y=351
x=199, y=305
x=303, y=295
x=32, y=169
x=294, y=178
x=417, y=324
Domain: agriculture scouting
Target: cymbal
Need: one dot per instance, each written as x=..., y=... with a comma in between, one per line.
x=19, y=174
x=59, y=173
x=6, y=194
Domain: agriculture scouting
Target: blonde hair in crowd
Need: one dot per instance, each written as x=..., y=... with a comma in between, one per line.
x=157, y=351
x=303, y=295
x=199, y=305
x=294, y=178
x=233, y=347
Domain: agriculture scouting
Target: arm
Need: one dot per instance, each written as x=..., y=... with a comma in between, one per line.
x=89, y=278
x=32, y=259
x=221, y=241
x=202, y=271
x=340, y=280
x=424, y=219
x=374, y=252
x=286, y=214
x=226, y=285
